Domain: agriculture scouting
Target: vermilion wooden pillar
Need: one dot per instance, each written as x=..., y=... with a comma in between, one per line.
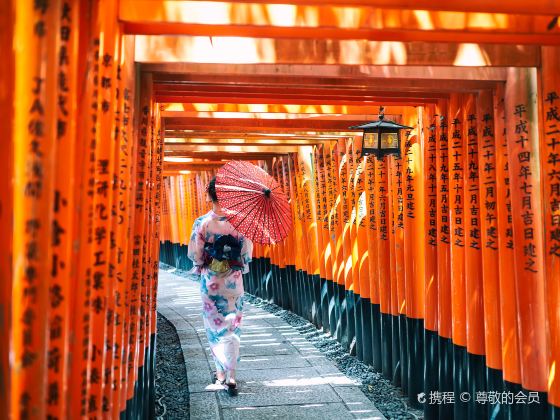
x=324, y=237
x=360, y=251
x=488, y=197
x=456, y=154
x=34, y=136
x=101, y=284
x=526, y=203
x=473, y=257
x=549, y=135
x=124, y=219
x=414, y=250
x=383, y=261
x=63, y=276
x=508, y=300
x=372, y=226
x=7, y=78
x=431, y=344
x=394, y=211
x=311, y=232
x=445, y=348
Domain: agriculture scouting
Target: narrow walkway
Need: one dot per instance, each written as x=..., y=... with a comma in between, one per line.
x=281, y=375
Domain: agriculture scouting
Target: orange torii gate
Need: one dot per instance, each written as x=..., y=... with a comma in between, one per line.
x=444, y=259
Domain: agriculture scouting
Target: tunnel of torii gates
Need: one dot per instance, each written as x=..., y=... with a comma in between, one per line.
x=438, y=268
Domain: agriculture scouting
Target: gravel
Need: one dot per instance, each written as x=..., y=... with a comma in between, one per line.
x=172, y=389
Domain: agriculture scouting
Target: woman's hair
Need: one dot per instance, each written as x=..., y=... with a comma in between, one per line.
x=212, y=190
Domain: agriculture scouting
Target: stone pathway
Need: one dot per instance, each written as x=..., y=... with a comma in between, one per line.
x=280, y=375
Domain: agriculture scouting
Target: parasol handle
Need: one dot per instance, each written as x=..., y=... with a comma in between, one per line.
x=266, y=192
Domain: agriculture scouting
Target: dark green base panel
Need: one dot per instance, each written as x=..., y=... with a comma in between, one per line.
x=431, y=378
x=316, y=310
x=343, y=318
x=553, y=412
x=477, y=383
x=386, y=344
x=358, y=332
x=367, y=332
x=291, y=287
x=460, y=382
x=338, y=298
x=415, y=335
x=495, y=382
x=325, y=299
x=332, y=295
x=376, y=336
x=445, y=375
x=403, y=353
x=143, y=405
x=395, y=350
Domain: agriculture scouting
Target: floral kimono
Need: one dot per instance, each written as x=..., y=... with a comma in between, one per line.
x=221, y=285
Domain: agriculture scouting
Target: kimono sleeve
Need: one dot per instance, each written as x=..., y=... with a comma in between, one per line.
x=246, y=254
x=196, y=243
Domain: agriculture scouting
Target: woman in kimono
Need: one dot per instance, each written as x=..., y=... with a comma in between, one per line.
x=220, y=255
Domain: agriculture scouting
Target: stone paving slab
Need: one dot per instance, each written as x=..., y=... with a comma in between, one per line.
x=280, y=375
x=259, y=396
x=292, y=412
x=204, y=406
x=280, y=361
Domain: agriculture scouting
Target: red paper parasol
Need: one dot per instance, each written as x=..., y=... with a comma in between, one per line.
x=253, y=202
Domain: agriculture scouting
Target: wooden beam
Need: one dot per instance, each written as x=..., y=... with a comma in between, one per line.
x=230, y=155
x=404, y=81
x=278, y=116
x=197, y=148
x=489, y=36
x=196, y=162
x=410, y=75
x=193, y=18
x=252, y=124
x=282, y=89
x=192, y=49
x=535, y=7
x=385, y=100
x=253, y=134
x=285, y=94
x=245, y=142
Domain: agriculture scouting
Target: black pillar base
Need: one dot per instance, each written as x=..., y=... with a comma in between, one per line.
x=351, y=322
x=386, y=343
x=376, y=337
x=291, y=287
x=431, y=411
x=460, y=384
x=316, y=309
x=535, y=411
x=553, y=412
x=333, y=297
x=325, y=305
x=395, y=351
x=358, y=322
x=343, y=318
x=495, y=382
x=337, y=311
x=445, y=374
x=367, y=352
x=273, y=294
x=298, y=293
x=415, y=334
x=477, y=383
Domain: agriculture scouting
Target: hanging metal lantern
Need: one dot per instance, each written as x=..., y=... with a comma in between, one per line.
x=381, y=138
